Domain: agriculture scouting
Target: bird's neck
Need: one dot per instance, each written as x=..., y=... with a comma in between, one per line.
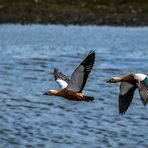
x=54, y=92
x=117, y=79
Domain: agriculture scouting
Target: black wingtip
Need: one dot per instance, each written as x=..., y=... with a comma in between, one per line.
x=55, y=73
x=87, y=63
x=121, y=113
x=55, y=70
x=92, y=52
x=89, y=57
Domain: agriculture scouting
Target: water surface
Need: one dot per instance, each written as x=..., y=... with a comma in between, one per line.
x=28, y=55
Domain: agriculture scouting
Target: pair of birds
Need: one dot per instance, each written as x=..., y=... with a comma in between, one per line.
x=71, y=89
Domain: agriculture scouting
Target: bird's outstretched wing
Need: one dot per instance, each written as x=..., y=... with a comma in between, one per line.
x=143, y=90
x=125, y=96
x=80, y=75
x=60, y=78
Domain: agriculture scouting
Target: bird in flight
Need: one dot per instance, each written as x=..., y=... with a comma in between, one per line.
x=71, y=88
x=128, y=85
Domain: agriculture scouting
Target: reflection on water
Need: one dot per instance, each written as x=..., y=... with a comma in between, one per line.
x=28, y=55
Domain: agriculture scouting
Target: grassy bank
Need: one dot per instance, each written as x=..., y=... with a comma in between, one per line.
x=99, y=12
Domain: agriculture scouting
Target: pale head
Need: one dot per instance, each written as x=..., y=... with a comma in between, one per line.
x=114, y=80
x=51, y=92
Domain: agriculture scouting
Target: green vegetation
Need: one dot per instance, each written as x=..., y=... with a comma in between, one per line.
x=120, y=12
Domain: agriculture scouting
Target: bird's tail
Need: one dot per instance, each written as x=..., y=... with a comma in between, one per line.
x=88, y=98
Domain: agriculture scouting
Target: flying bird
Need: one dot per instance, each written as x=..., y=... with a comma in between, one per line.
x=71, y=88
x=128, y=85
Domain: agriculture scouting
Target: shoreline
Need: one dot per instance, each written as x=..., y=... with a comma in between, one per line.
x=45, y=13
x=78, y=19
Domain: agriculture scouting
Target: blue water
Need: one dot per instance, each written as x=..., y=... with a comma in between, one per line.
x=28, y=55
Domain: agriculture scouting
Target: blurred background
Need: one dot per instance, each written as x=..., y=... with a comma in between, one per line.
x=100, y=12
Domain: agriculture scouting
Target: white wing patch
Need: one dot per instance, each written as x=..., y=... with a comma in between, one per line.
x=140, y=77
x=62, y=83
x=124, y=88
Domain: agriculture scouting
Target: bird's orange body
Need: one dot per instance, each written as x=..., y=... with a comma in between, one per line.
x=70, y=95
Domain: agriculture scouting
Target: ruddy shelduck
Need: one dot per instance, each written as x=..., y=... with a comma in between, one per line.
x=128, y=85
x=71, y=89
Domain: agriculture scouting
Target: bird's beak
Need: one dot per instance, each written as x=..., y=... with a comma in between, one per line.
x=46, y=93
x=109, y=81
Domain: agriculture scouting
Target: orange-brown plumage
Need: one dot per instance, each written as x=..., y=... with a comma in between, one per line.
x=70, y=95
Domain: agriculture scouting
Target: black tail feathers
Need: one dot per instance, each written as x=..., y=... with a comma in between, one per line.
x=88, y=98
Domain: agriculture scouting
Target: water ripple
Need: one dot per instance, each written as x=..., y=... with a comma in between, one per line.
x=29, y=119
